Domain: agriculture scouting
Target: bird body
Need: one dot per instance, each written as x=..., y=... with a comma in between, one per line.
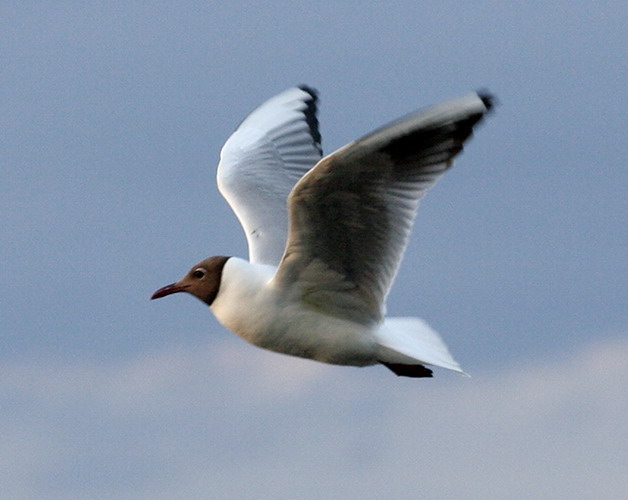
x=280, y=320
x=326, y=235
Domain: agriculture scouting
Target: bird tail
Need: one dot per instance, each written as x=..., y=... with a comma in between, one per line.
x=411, y=341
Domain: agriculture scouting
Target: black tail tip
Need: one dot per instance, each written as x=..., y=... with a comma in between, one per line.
x=415, y=371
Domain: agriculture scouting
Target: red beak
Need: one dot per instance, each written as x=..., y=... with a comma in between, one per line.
x=169, y=289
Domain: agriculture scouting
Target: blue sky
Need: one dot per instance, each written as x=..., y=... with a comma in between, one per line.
x=113, y=117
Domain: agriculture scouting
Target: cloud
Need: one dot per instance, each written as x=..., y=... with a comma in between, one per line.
x=234, y=421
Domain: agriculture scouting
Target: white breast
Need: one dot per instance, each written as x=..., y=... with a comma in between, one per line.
x=250, y=306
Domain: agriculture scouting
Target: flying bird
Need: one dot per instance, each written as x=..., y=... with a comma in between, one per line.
x=326, y=234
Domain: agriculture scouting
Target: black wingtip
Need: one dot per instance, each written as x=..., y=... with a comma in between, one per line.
x=310, y=115
x=489, y=100
x=310, y=90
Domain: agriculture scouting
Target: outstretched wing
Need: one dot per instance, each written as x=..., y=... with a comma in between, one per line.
x=351, y=215
x=262, y=161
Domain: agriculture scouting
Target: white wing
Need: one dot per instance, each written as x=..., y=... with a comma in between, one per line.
x=261, y=162
x=351, y=215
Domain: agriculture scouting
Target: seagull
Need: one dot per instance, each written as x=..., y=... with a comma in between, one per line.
x=326, y=234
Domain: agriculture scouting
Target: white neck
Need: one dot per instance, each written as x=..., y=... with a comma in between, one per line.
x=243, y=289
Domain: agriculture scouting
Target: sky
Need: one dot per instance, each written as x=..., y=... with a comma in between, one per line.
x=113, y=116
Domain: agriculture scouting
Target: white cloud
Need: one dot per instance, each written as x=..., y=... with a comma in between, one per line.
x=235, y=421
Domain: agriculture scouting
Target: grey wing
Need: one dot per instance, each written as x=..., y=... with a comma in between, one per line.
x=351, y=215
x=262, y=161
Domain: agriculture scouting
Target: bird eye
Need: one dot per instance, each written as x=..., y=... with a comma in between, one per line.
x=199, y=273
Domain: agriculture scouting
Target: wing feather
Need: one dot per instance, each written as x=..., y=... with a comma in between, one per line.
x=262, y=161
x=351, y=215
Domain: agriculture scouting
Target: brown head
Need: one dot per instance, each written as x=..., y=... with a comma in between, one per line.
x=202, y=281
